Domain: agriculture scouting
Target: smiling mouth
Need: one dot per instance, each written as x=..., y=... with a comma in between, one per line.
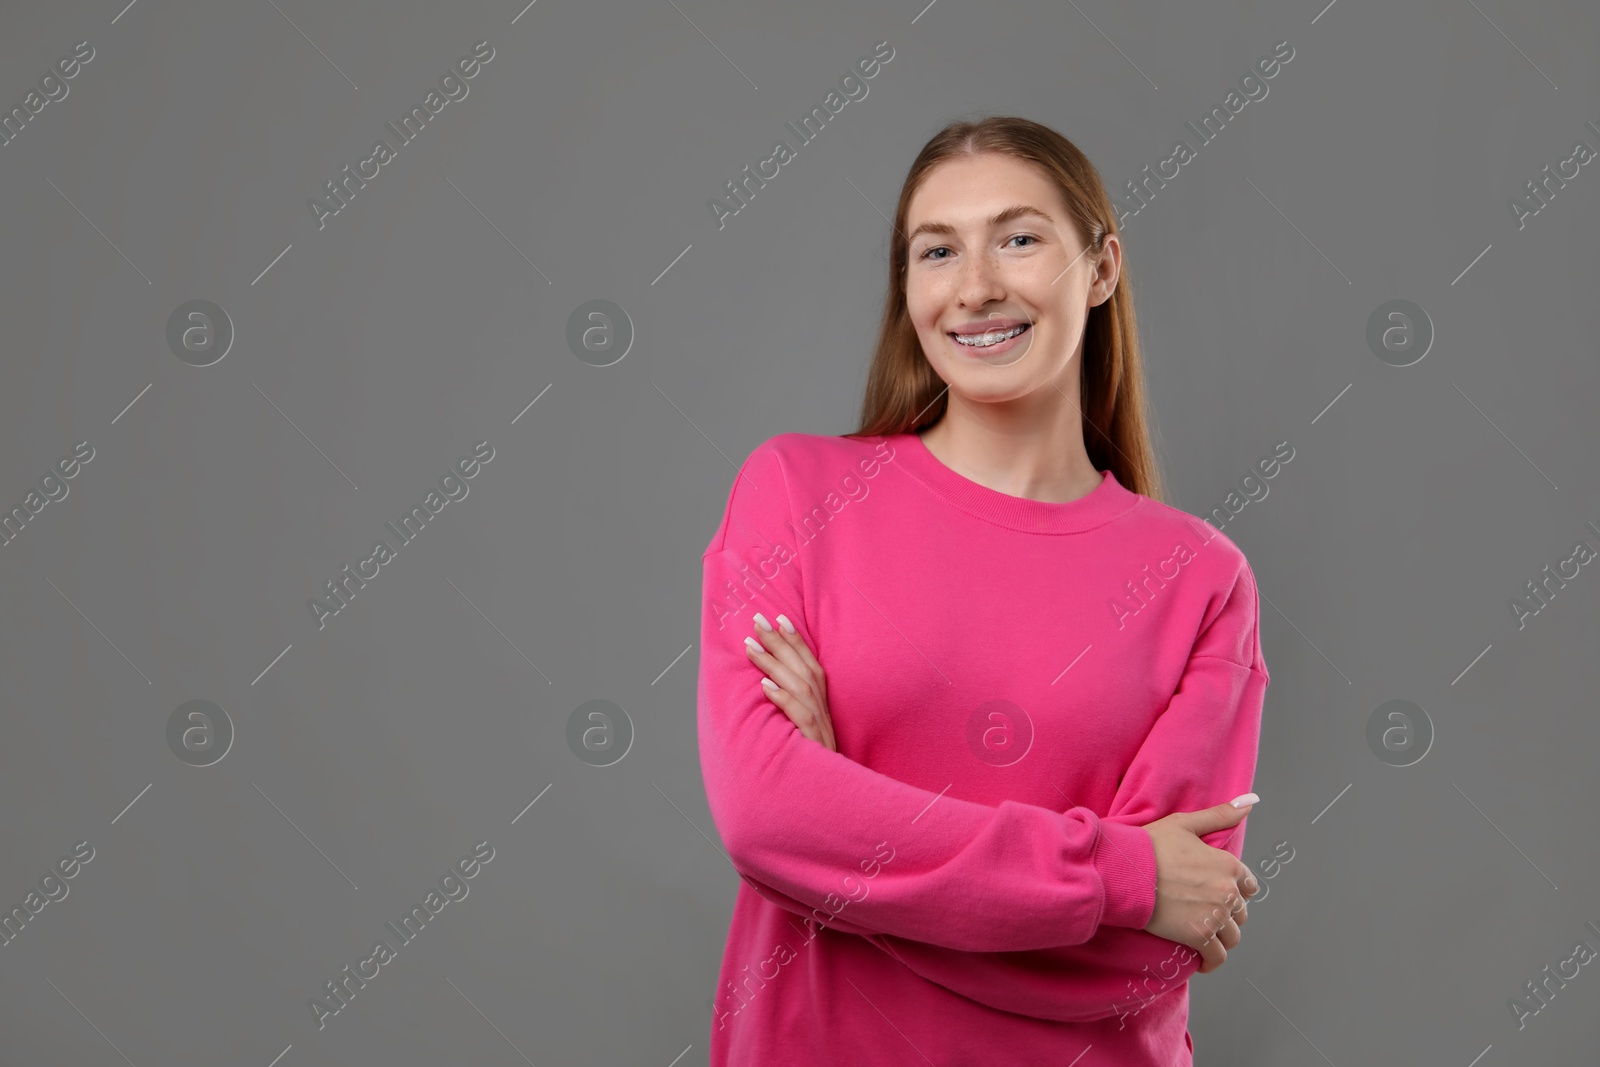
x=990, y=339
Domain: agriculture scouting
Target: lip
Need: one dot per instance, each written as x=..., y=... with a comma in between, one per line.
x=987, y=326
x=993, y=351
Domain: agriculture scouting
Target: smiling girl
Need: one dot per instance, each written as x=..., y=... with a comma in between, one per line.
x=1042, y=685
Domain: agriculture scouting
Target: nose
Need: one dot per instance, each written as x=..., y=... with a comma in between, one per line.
x=979, y=280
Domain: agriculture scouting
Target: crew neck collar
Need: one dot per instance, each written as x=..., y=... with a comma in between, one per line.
x=1104, y=502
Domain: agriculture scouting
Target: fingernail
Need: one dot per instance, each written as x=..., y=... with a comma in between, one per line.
x=761, y=621
x=768, y=683
x=783, y=621
x=753, y=645
x=1243, y=801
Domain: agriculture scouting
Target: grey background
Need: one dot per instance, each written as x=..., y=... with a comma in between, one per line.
x=433, y=710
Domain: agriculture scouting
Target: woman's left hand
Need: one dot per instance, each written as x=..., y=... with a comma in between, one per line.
x=801, y=689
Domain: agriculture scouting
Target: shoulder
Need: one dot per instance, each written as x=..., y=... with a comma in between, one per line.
x=1213, y=557
x=789, y=469
x=1228, y=605
x=806, y=451
x=817, y=462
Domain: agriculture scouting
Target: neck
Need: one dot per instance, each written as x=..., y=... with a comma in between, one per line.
x=1039, y=458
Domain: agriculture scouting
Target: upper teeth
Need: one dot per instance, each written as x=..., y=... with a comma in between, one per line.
x=994, y=337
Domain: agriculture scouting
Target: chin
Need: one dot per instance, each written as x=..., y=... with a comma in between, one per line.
x=994, y=389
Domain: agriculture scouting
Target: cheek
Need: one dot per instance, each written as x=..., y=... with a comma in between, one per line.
x=923, y=305
x=929, y=295
x=1047, y=291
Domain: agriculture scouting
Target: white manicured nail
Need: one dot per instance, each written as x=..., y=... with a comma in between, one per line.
x=753, y=645
x=768, y=683
x=1245, y=801
x=783, y=621
x=761, y=621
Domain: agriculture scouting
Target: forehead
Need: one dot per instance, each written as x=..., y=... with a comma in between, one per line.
x=967, y=191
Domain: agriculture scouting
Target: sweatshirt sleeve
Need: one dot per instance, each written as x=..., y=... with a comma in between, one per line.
x=800, y=819
x=1200, y=752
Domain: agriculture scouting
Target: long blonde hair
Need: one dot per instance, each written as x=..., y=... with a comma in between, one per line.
x=903, y=394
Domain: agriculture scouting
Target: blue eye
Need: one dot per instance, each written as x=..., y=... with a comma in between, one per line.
x=943, y=248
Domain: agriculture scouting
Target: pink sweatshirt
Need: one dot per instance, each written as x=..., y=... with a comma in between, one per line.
x=1017, y=687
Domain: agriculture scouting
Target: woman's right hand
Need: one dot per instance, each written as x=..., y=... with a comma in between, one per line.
x=1200, y=890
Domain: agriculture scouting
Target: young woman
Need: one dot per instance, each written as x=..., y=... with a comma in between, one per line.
x=997, y=829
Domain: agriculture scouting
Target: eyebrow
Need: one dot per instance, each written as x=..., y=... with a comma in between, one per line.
x=1014, y=212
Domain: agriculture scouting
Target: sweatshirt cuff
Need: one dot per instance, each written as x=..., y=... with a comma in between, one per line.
x=1125, y=859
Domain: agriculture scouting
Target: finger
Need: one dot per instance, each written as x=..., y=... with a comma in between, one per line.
x=774, y=668
x=781, y=661
x=1219, y=924
x=1240, y=907
x=812, y=717
x=1212, y=954
x=785, y=631
x=802, y=711
x=1212, y=951
x=1238, y=911
x=818, y=710
x=792, y=708
x=784, y=665
x=1226, y=922
x=778, y=647
x=800, y=646
x=1229, y=934
x=1247, y=882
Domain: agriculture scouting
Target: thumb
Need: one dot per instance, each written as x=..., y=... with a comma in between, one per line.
x=1218, y=816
